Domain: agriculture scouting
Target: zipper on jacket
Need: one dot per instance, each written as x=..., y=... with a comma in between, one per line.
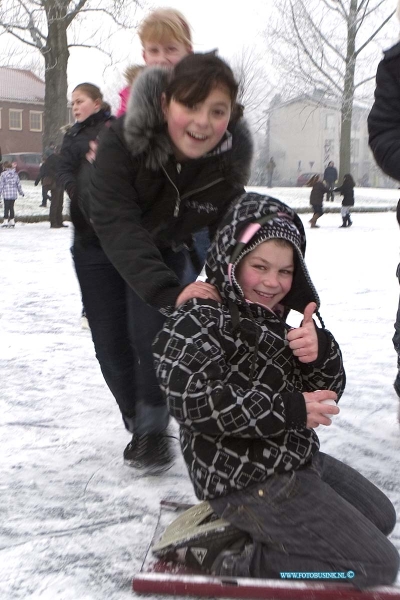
x=178, y=199
x=188, y=194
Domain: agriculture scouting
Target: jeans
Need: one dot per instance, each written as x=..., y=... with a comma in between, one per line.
x=123, y=328
x=323, y=518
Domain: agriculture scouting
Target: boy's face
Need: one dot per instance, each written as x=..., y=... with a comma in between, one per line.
x=266, y=274
x=195, y=130
x=166, y=54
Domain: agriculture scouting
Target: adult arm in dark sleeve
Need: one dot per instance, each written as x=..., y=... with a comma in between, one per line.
x=68, y=167
x=116, y=217
x=384, y=118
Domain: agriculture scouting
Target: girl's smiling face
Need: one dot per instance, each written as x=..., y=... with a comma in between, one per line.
x=195, y=130
x=266, y=273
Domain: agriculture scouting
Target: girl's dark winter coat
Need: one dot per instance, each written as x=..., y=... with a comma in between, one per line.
x=143, y=199
x=317, y=193
x=74, y=170
x=384, y=118
x=347, y=191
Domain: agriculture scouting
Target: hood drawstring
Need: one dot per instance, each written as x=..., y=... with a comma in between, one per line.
x=237, y=330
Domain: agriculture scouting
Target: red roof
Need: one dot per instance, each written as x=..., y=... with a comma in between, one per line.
x=20, y=85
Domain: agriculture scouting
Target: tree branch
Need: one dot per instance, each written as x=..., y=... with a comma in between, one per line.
x=373, y=35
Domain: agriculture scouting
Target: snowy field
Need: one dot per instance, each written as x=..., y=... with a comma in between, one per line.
x=75, y=522
x=298, y=198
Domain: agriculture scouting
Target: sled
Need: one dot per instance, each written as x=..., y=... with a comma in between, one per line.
x=159, y=577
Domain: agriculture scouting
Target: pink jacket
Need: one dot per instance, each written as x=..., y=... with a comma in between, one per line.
x=124, y=95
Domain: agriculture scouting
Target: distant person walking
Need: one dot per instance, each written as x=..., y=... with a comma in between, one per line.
x=10, y=187
x=317, y=198
x=270, y=170
x=44, y=179
x=347, y=191
x=330, y=178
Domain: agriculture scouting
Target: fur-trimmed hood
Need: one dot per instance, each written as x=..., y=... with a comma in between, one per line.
x=145, y=131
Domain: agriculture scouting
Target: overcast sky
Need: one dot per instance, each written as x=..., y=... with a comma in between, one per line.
x=223, y=24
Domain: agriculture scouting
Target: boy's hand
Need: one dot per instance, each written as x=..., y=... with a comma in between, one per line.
x=198, y=289
x=303, y=340
x=316, y=410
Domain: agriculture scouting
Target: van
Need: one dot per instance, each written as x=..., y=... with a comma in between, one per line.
x=27, y=163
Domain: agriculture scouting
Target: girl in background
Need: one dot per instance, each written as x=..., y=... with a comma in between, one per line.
x=10, y=187
x=347, y=191
x=316, y=198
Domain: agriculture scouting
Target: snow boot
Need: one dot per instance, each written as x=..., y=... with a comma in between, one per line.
x=344, y=224
x=197, y=538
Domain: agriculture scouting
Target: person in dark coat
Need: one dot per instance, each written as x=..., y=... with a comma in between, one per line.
x=156, y=182
x=384, y=141
x=316, y=198
x=347, y=191
x=248, y=392
x=330, y=178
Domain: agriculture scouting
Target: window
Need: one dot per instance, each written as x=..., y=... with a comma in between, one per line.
x=15, y=119
x=35, y=120
x=329, y=121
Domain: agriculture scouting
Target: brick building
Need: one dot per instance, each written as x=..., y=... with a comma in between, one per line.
x=21, y=111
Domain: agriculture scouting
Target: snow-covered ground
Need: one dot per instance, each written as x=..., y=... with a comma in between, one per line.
x=75, y=522
x=298, y=198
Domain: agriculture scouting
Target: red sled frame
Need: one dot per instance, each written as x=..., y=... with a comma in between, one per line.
x=161, y=580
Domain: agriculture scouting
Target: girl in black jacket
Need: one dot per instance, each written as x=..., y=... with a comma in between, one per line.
x=167, y=169
x=347, y=191
x=317, y=198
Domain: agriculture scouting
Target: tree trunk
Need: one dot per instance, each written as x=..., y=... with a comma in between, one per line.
x=348, y=94
x=56, y=56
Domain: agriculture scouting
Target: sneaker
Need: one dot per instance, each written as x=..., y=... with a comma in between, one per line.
x=151, y=453
x=198, y=538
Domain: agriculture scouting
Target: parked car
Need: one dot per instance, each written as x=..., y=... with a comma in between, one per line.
x=27, y=163
x=304, y=178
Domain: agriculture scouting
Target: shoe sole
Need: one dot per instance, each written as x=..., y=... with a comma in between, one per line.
x=189, y=525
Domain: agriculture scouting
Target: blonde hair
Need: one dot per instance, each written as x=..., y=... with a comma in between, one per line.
x=164, y=24
x=132, y=72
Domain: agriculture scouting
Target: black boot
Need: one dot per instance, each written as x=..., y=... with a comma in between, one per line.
x=349, y=221
x=344, y=224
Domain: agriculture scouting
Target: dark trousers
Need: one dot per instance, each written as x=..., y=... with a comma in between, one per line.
x=123, y=328
x=56, y=207
x=396, y=337
x=330, y=195
x=45, y=194
x=9, y=208
x=321, y=519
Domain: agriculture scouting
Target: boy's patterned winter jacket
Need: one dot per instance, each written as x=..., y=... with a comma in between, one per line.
x=231, y=380
x=10, y=185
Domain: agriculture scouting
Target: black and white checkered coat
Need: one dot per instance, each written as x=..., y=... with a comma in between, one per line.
x=230, y=378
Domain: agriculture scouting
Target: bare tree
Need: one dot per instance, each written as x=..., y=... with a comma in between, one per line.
x=329, y=45
x=45, y=25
